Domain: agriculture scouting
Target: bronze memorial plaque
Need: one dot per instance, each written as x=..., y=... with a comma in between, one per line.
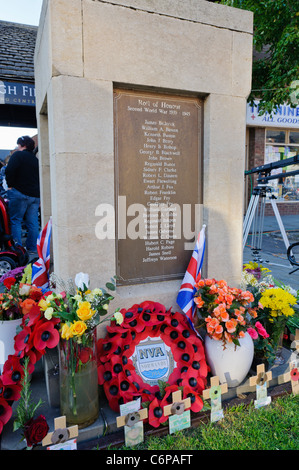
x=158, y=183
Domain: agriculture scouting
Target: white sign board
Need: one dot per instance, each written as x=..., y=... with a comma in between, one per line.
x=285, y=116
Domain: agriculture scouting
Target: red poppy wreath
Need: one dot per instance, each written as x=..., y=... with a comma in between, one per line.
x=117, y=372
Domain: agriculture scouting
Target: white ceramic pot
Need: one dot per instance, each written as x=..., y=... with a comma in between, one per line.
x=8, y=330
x=232, y=364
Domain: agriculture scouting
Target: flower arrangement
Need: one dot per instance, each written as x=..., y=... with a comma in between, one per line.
x=277, y=308
x=79, y=311
x=19, y=296
x=274, y=303
x=227, y=311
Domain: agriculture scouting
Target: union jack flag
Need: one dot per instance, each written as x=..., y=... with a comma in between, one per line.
x=185, y=298
x=40, y=269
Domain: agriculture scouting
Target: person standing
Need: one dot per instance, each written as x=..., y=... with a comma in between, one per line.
x=22, y=177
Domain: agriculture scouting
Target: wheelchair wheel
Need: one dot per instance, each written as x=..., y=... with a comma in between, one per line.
x=6, y=264
x=293, y=254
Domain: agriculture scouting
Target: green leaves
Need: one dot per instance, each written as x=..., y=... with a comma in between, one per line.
x=276, y=37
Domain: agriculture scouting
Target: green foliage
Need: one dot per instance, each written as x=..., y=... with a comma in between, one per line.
x=275, y=73
x=26, y=407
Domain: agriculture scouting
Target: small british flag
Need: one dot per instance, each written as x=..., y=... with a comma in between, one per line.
x=185, y=298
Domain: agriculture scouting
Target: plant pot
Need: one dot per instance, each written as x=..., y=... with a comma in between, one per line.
x=79, y=397
x=8, y=331
x=230, y=363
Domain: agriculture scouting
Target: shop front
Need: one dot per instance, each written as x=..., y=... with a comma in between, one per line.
x=274, y=138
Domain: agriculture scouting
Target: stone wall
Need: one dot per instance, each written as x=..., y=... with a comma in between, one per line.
x=87, y=47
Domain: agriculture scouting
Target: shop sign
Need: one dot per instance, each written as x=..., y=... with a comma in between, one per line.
x=284, y=116
x=17, y=93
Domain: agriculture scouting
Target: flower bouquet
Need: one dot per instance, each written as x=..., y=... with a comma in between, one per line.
x=79, y=311
x=19, y=295
x=276, y=309
x=275, y=305
x=226, y=311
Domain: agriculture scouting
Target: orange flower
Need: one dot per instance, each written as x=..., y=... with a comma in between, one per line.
x=27, y=305
x=231, y=325
x=199, y=302
x=228, y=337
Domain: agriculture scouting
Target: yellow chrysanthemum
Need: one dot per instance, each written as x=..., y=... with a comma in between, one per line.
x=278, y=301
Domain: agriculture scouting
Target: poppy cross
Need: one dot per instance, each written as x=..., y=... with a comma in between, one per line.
x=260, y=381
x=61, y=433
x=178, y=418
x=214, y=394
x=293, y=373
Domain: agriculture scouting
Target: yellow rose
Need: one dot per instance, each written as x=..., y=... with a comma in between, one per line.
x=43, y=304
x=65, y=332
x=85, y=311
x=77, y=328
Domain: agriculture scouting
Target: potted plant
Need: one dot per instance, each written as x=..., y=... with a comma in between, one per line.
x=229, y=320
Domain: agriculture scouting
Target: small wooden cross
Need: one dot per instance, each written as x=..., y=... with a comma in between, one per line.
x=61, y=433
x=260, y=381
x=178, y=406
x=178, y=418
x=214, y=394
x=132, y=420
x=292, y=375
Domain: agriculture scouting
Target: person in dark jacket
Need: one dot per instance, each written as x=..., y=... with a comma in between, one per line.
x=22, y=177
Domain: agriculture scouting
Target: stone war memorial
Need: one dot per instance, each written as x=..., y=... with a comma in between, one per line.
x=141, y=111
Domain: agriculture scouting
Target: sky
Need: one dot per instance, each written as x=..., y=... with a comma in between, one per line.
x=24, y=12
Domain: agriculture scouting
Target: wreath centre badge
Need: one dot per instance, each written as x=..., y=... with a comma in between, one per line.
x=153, y=360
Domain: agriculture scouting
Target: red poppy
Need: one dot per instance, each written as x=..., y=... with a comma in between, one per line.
x=9, y=282
x=156, y=414
x=196, y=401
x=23, y=340
x=295, y=374
x=46, y=336
x=12, y=371
x=5, y=412
x=34, y=315
x=11, y=392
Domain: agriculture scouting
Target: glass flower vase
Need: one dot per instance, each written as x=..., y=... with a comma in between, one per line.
x=79, y=397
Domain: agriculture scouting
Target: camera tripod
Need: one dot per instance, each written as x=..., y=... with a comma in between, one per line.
x=255, y=218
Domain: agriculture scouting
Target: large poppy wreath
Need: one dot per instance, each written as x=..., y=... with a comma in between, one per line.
x=118, y=375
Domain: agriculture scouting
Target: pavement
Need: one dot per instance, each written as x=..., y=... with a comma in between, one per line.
x=272, y=254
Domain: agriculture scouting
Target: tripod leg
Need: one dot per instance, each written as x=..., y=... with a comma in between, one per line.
x=279, y=221
x=249, y=217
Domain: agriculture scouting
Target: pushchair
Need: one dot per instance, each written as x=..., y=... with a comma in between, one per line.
x=11, y=255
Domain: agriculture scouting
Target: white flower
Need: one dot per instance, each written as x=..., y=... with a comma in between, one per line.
x=25, y=289
x=48, y=313
x=97, y=291
x=105, y=307
x=82, y=279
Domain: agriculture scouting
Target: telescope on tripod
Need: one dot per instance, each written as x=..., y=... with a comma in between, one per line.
x=254, y=217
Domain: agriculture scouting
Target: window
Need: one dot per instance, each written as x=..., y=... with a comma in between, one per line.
x=282, y=144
